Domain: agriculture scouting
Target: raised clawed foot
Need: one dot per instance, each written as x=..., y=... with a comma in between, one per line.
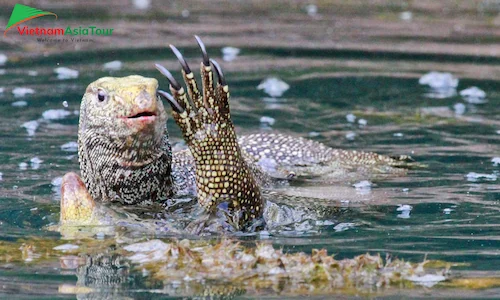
x=222, y=175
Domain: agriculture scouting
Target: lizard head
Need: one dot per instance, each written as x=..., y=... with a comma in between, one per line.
x=125, y=108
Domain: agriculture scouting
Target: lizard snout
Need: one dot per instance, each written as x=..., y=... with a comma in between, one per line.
x=145, y=101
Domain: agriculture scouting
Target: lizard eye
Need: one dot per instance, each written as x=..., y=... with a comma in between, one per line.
x=101, y=95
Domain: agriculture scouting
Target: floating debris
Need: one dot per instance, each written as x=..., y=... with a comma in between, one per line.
x=31, y=127
x=459, y=108
x=2, y=90
x=19, y=103
x=443, y=85
x=495, y=161
x=230, y=53
x=350, y=118
x=398, y=134
x=312, y=10
x=22, y=91
x=141, y=4
x=23, y=166
x=66, y=73
x=3, y=59
x=185, y=13
x=267, y=120
x=313, y=134
x=406, y=16
x=474, y=95
x=114, y=65
x=273, y=86
x=350, y=136
x=35, y=163
x=473, y=176
x=33, y=73
x=70, y=147
x=1, y=176
x=65, y=103
x=55, y=114
x=405, y=210
x=362, y=122
x=66, y=247
x=264, y=267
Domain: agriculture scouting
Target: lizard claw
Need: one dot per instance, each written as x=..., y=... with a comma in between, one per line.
x=181, y=59
x=206, y=61
x=170, y=99
x=169, y=76
x=220, y=75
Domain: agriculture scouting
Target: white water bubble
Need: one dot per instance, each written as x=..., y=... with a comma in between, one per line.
x=343, y=226
x=55, y=114
x=22, y=91
x=362, y=122
x=267, y=120
x=3, y=59
x=141, y=4
x=66, y=73
x=459, y=108
x=350, y=118
x=474, y=95
x=350, y=136
x=65, y=103
x=20, y=103
x=473, y=176
x=312, y=10
x=427, y=280
x=31, y=127
x=114, y=65
x=443, y=85
x=70, y=147
x=66, y=247
x=273, y=86
x=23, y=166
x=35, y=163
x=495, y=161
x=406, y=16
x=404, y=210
x=33, y=73
x=447, y=211
x=439, y=80
x=230, y=53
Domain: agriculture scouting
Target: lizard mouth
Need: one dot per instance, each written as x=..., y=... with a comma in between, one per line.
x=144, y=114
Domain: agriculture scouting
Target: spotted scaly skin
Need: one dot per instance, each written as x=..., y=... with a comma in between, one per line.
x=222, y=174
x=125, y=153
x=123, y=145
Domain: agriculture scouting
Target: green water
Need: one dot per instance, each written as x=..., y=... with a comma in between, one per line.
x=452, y=218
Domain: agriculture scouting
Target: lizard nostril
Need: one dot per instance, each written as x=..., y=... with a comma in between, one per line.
x=144, y=100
